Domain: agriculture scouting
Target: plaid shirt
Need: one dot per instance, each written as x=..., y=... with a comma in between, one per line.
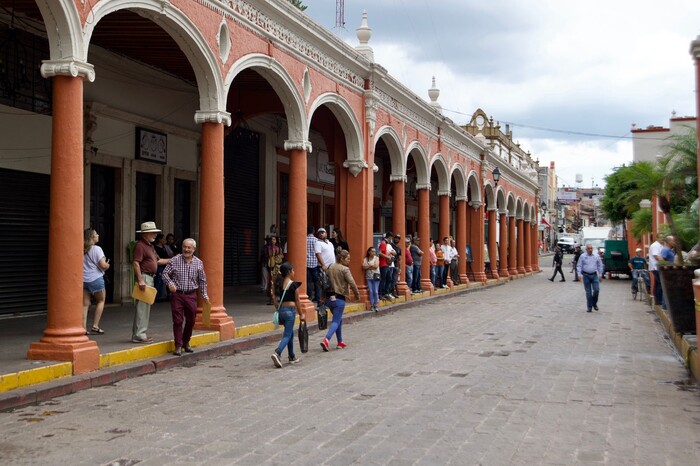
x=311, y=259
x=186, y=276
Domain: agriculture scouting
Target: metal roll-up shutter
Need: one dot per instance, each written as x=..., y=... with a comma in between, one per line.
x=241, y=196
x=24, y=234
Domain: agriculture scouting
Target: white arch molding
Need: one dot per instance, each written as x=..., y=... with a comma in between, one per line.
x=420, y=158
x=355, y=161
x=393, y=144
x=440, y=164
x=204, y=61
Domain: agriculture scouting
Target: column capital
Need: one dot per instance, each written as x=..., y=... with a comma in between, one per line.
x=423, y=186
x=203, y=116
x=503, y=212
x=401, y=178
x=695, y=48
x=355, y=166
x=298, y=145
x=492, y=209
x=475, y=204
x=67, y=67
x=461, y=198
x=443, y=193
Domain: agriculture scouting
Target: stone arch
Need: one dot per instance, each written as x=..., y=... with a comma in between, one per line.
x=501, y=199
x=510, y=206
x=440, y=164
x=519, y=208
x=460, y=180
x=393, y=143
x=284, y=87
x=192, y=43
x=422, y=162
x=474, y=188
x=350, y=125
x=64, y=30
x=489, y=197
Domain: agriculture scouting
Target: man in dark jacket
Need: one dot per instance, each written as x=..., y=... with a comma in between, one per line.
x=577, y=254
x=556, y=262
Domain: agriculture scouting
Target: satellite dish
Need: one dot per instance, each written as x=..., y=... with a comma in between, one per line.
x=579, y=178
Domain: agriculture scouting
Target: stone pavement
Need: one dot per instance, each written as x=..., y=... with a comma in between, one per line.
x=517, y=374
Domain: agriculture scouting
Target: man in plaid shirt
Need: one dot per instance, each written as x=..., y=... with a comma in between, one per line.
x=312, y=266
x=184, y=275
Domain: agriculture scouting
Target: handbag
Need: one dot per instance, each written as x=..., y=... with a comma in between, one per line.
x=276, y=314
x=303, y=337
x=376, y=276
x=322, y=316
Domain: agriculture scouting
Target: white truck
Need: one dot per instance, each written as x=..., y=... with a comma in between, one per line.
x=596, y=236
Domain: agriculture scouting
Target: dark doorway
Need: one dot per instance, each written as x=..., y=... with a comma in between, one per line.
x=145, y=199
x=242, y=243
x=24, y=231
x=102, y=216
x=182, y=208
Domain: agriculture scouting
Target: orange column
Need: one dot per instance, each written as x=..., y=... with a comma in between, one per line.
x=296, y=227
x=357, y=216
x=493, y=248
x=476, y=227
x=535, y=249
x=521, y=247
x=64, y=337
x=444, y=223
x=461, y=240
x=424, y=234
x=512, y=248
x=503, y=246
x=527, y=246
x=398, y=226
x=211, y=222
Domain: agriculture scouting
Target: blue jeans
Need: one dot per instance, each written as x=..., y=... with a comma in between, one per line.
x=592, y=287
x=373, y=286
x=394, y=277
x=409, y=276
x=337, y=307
x=287, y=316
x=312, y=284
x=439, y=271
x=385, y=280
x=416, y=277
x=658, y=291
x=635, y=278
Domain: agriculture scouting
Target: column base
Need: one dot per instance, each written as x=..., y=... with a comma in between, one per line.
x=521, y=270
x=308, y=310
x=464, y=279
x=404, y=290
x=219, y=321
x=85, y=355
x=494, y=275
x=503, y=273
x=426, y=285
x=528, y=269
x=480, y=277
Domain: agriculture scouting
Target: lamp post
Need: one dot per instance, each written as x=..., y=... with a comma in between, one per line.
x=496, y=175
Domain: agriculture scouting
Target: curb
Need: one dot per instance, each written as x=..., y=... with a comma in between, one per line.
x=110, y=374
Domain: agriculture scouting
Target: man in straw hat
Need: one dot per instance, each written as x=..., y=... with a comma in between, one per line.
x=146, y=262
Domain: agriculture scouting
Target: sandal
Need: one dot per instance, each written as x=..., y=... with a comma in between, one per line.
x=96, y=330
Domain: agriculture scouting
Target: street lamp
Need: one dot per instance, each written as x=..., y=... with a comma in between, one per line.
x=645, y=204
x=496, y=175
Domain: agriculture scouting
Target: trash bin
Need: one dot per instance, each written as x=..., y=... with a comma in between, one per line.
x=616, y=257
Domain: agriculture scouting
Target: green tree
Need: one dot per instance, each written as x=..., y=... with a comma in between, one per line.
x=673, y=180
x=298, y=4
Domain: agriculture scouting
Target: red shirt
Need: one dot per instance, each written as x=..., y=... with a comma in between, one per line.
x=408, y=256
x=382, y=250
x=145, y=254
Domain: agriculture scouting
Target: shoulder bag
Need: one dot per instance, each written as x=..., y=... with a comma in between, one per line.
x=276, y=314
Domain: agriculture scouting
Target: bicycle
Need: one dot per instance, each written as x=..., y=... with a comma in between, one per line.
x=643, y=280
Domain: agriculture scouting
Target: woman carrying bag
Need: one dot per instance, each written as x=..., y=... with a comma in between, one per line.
x=341, y=283
x=286, y=299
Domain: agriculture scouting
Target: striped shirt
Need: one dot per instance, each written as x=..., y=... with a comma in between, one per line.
x=311, y=259
x=186, y=276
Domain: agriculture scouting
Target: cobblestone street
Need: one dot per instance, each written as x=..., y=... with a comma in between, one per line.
x=515, y=374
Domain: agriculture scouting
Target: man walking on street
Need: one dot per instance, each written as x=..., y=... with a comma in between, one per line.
x=654, y=256
x=556, y=262
x=183, y=276
x=590, y=267
x=145, y=264
x=313, y=290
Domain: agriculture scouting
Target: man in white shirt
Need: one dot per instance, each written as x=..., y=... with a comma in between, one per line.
x=324, y=250
x=449, y=252
x=654, y=257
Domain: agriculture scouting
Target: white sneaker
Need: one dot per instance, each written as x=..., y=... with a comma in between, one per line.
x=295, y=360
x=276, y=360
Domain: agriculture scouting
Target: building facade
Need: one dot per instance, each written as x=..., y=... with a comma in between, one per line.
x=217, y=119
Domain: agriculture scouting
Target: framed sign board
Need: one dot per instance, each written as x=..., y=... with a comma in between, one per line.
x=151, y=146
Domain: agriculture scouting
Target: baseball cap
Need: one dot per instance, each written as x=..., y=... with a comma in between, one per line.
x=389, y=234
x=321, y=230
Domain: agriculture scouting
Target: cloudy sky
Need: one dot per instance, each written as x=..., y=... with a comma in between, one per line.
x=570, y=77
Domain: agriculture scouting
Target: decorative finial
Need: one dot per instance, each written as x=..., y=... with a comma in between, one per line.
x=434, y=93
x=364, y=34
